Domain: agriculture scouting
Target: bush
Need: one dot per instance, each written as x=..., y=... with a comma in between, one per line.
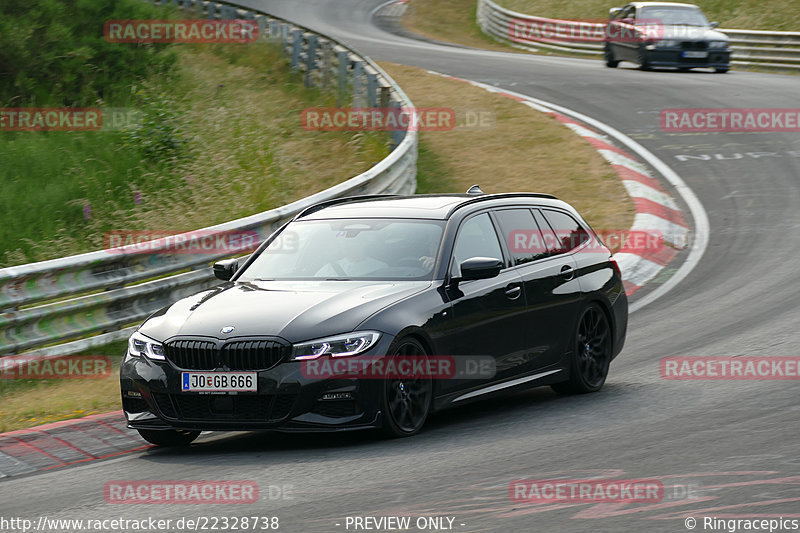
x=53, y=53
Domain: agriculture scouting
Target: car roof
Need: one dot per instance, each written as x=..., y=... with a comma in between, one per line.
x=661, y=4
x=428, y=206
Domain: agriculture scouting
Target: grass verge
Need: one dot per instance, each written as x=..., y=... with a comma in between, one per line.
x=232, y=111
x=32, y=402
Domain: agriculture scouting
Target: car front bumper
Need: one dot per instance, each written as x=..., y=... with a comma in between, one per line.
x=674, y=58
x=287, y=400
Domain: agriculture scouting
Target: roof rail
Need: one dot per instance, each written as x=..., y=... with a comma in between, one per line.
x=334, y=201
x=486, y=197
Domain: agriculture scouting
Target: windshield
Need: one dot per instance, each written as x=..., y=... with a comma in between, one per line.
x=345, y=249
x=674, y=16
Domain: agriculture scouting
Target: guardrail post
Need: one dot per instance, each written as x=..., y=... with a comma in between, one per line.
x=372, y=89
x=274, y=30
x=311, y=59
x=211, y=11
x=342, y=58
x=358, y=83
x=396, y=135
x=297, y=47
x=261, y=20
x=385, y=96
x=325, y=63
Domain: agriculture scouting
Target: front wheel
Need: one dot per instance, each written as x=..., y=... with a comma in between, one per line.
x=644, y=60
x=721, y=70
x=591, y=356
x=611, y=62
x=406, y=402
x=169, y=437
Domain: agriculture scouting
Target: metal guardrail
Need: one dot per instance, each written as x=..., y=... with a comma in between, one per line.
x=119, y=277
x=773, y=49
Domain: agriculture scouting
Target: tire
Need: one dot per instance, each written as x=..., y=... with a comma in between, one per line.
x=591, y=354
x=406, y=403
x=611, y=62
x=721, y=70
x=171, y=438
x=644, y=62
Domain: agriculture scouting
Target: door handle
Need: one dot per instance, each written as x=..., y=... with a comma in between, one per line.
x=513, y=291
x=567, y=273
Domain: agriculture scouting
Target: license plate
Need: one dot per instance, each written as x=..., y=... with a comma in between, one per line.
x=695, y=55
x=219, y=382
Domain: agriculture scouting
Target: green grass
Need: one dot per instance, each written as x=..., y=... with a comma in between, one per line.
x=27, y=403
x=234, y=113
x=775, y=15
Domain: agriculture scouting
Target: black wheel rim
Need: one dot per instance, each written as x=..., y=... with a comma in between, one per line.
x=593, y=347
x=408, y=399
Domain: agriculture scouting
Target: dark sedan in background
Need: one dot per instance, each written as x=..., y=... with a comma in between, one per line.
x=518, y=280
x=665, y=34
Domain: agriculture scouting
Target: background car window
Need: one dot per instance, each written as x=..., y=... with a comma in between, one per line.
x=476, y=238
x=568, y=232
x=628, y=13
x=675, y=15
x=522, y=235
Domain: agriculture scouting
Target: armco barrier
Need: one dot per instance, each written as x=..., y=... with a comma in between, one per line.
x=96, y=294
x=773, y=49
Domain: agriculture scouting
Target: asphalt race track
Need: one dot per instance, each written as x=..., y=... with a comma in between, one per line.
x=720, y=448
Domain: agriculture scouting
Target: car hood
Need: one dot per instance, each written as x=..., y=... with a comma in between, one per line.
x=295, y=311
x=691, y=33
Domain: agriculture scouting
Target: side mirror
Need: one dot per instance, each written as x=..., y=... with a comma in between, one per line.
x=713, y=25
x=226, y=268
x=480, y=268
x=613, y=12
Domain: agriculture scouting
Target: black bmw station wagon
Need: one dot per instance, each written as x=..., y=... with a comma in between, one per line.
x=516, y=290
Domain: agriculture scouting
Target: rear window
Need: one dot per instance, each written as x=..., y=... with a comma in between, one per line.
x=568, y=233
x=522, y=235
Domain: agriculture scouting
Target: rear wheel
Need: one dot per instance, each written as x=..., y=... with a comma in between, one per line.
x=169, y=437
x=406, y=402
x=611, y=62
x=721, y=70
x=591, y=354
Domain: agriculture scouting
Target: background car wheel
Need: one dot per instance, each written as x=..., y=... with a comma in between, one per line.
x=169, y=437
x=722, y=70
x=591, y=354
x=609, y=57
x=644, y=61
x=406, y=402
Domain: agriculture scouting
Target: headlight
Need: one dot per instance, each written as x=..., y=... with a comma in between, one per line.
x=718, y=44
x=338, y=346
x=139, y=346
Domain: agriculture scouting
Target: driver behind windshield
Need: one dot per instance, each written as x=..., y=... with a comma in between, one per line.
x=356, y=262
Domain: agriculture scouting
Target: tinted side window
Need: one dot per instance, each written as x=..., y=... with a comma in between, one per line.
x=550, y=240
x=628, y=13
x=569, y=233
x=476, y=238
x=522, y=234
